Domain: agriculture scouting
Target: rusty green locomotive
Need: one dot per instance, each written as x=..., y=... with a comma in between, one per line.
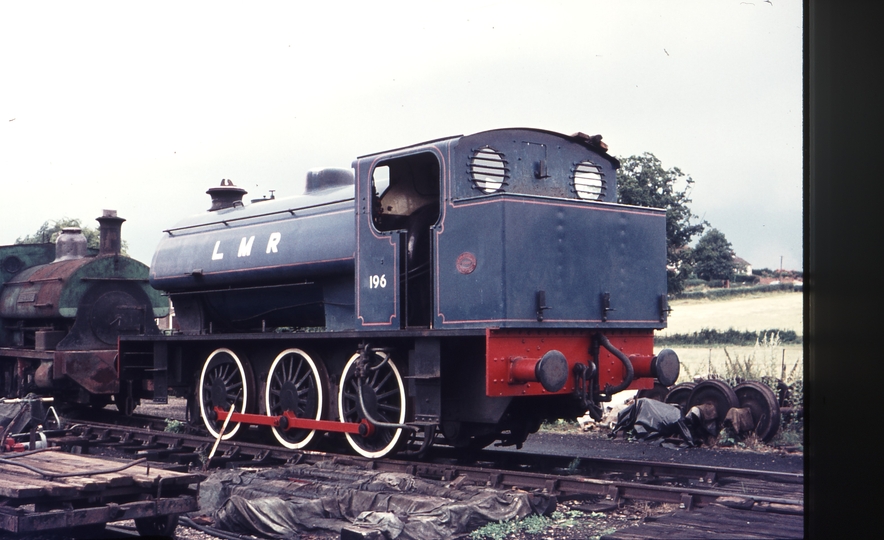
x=63, y=307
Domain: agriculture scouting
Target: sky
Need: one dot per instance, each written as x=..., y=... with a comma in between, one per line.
x=141, y=107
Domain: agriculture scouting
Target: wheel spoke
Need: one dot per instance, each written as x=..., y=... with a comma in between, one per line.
x=383, y=382
x=300, y=382
x=393, y=392
x=295, y=370
x=230, y=375
x=394, y=410
x=283, y=371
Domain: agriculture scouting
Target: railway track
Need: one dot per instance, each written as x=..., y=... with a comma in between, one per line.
x=614, y=479
x=714, y=498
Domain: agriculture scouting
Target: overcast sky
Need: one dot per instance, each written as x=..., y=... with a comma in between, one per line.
x=141, y=107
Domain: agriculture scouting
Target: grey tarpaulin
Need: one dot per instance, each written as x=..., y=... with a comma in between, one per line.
x=278, y=503
x=14, y=417
x=652, y=419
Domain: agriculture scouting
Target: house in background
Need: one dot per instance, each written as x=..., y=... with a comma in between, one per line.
x=742, y=267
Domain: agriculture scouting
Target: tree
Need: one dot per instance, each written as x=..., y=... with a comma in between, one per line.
x=49, y=231
x=714, y=257
x=642, y=181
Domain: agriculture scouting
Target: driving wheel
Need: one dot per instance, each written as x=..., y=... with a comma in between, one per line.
x=225, y=379
x=383, y=394
x=297, y=383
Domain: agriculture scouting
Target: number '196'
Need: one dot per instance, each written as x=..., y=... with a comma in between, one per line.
x=377, y=281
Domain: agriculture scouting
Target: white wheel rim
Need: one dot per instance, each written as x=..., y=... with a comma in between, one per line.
x=320, y=395
x=232, y=427
x=352, y=439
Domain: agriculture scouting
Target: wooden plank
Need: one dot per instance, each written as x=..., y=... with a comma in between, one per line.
x=18, y=467
x=82, y=462
x=17, y=482
x=715, y=522
x=64, y=463
x=647, y=532
x=59, y=462
x=25, y=477
x=738, y=521
x=16, y=490
x=169, y=476
x=84, y=483
x=34, y=487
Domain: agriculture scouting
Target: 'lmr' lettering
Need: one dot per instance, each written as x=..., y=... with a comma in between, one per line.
x=273, y=242
x=245, y=247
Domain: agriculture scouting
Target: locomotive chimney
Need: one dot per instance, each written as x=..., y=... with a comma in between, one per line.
x=109, y=225
x=226, y=195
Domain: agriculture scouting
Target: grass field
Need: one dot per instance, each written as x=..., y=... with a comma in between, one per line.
x=754, y=313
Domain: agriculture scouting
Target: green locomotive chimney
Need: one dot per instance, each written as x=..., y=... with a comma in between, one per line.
x=110, y=241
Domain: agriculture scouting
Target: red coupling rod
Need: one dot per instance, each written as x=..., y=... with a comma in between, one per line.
x=288, y=421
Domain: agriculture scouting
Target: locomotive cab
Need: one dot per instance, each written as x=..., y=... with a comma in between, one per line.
x=405, y=202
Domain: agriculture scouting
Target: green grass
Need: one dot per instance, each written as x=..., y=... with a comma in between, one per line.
x=531, y=524
x=753, y=313
x=731, y=336
x=766, y=359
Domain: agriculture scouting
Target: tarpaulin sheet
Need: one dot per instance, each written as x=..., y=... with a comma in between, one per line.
x=278, y=503
x=14, y=417
x=651, y=419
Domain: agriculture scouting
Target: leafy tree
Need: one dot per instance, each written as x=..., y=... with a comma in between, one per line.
x=49, y=231
x=642, y=181
x=714, y=257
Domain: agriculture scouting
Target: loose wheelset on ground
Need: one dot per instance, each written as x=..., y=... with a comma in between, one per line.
x=761, y=400
x=658, y=392
x=679, y=394
x=715, y=397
